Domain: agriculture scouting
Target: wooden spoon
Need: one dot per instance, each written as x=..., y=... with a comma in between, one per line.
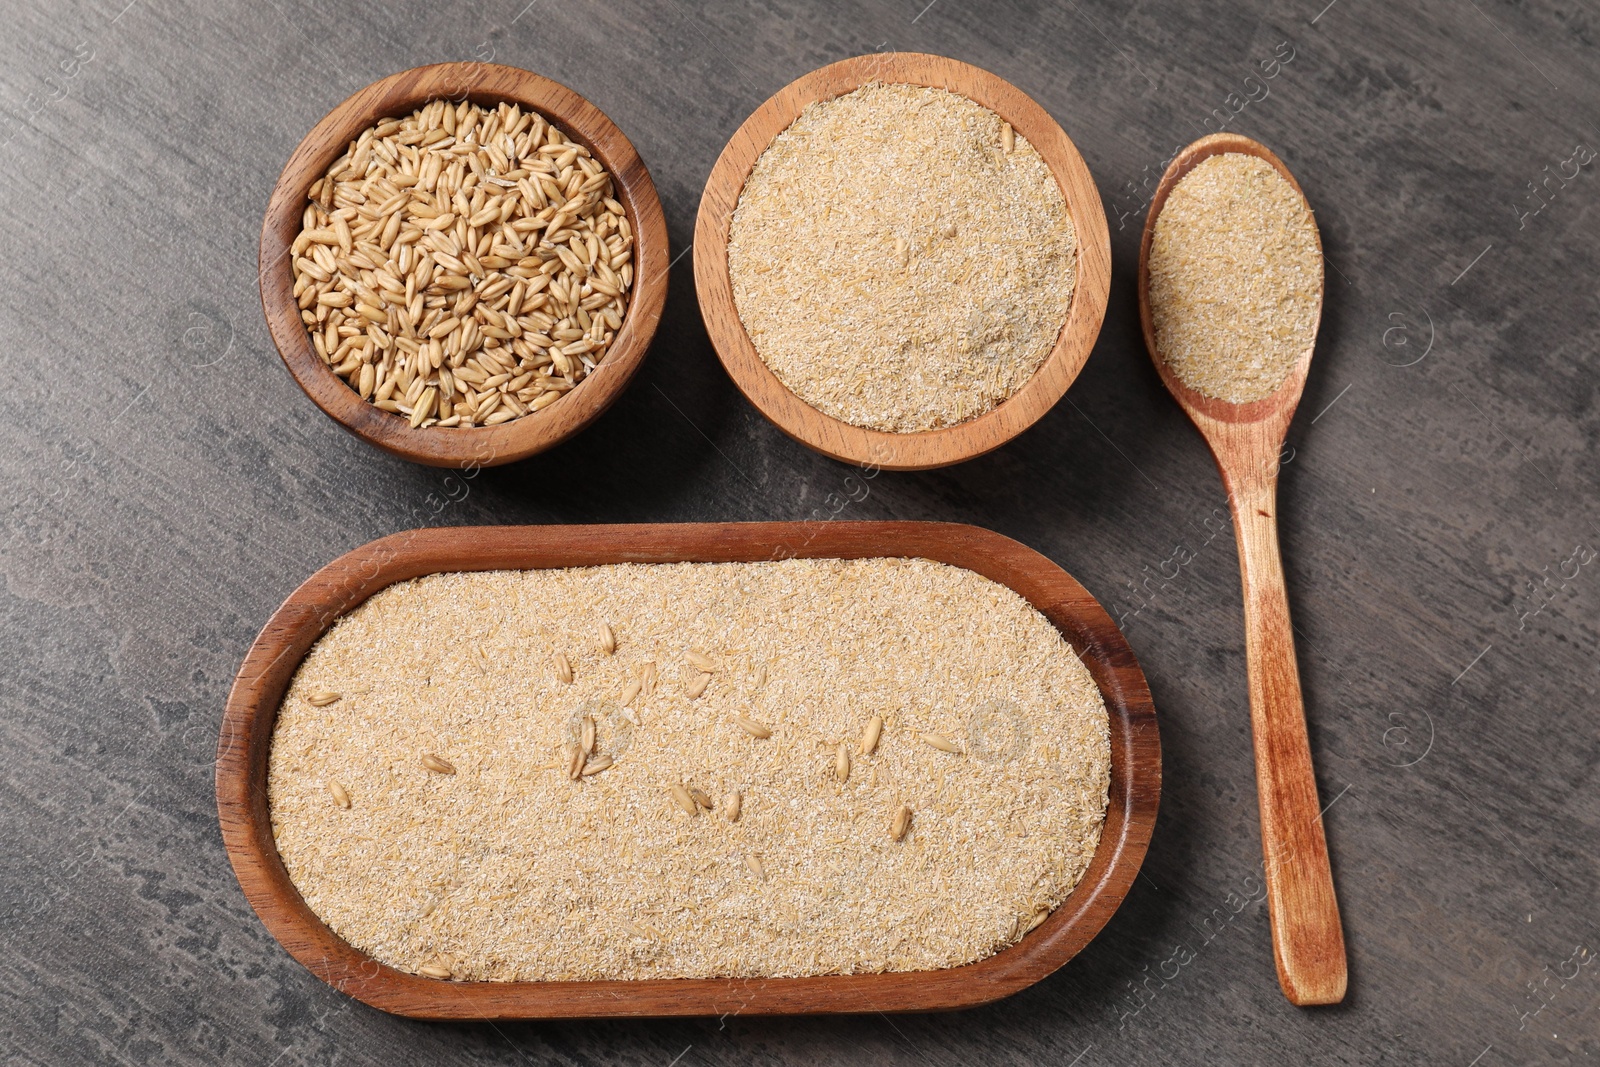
x=1246, y=439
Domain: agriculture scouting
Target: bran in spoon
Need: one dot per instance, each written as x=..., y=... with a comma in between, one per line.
x=1235, y=278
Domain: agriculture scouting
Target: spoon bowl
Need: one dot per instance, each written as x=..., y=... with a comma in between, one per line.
x=1246, y=440
x=1283, y=401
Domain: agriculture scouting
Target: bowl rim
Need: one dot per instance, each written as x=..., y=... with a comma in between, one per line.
x=243, y=749
x=482, y=83
x=834, y=437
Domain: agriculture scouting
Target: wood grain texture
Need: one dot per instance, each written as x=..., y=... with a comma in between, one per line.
x=244, y=746
x=487, y=84
x=856, y=444
x=1247, y=440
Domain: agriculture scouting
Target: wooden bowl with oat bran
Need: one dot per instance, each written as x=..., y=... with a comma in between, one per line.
x=419, y=439
x=271, y=695
x=924, y=335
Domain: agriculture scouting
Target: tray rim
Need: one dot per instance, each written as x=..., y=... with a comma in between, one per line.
x=337, y=587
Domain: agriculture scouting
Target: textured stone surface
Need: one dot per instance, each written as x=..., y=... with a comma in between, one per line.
x=167, y=485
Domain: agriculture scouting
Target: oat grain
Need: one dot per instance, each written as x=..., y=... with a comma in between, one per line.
x=443, y=258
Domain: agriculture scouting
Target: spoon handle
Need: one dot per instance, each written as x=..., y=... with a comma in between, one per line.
x=1307, y=938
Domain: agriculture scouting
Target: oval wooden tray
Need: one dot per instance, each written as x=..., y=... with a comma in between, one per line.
x=310, y=610
x=858, y=444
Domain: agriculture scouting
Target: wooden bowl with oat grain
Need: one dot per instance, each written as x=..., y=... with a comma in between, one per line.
x=521, y=421
x=948, y=340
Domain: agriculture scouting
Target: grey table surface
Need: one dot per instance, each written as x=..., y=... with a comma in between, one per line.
x=167, y=485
